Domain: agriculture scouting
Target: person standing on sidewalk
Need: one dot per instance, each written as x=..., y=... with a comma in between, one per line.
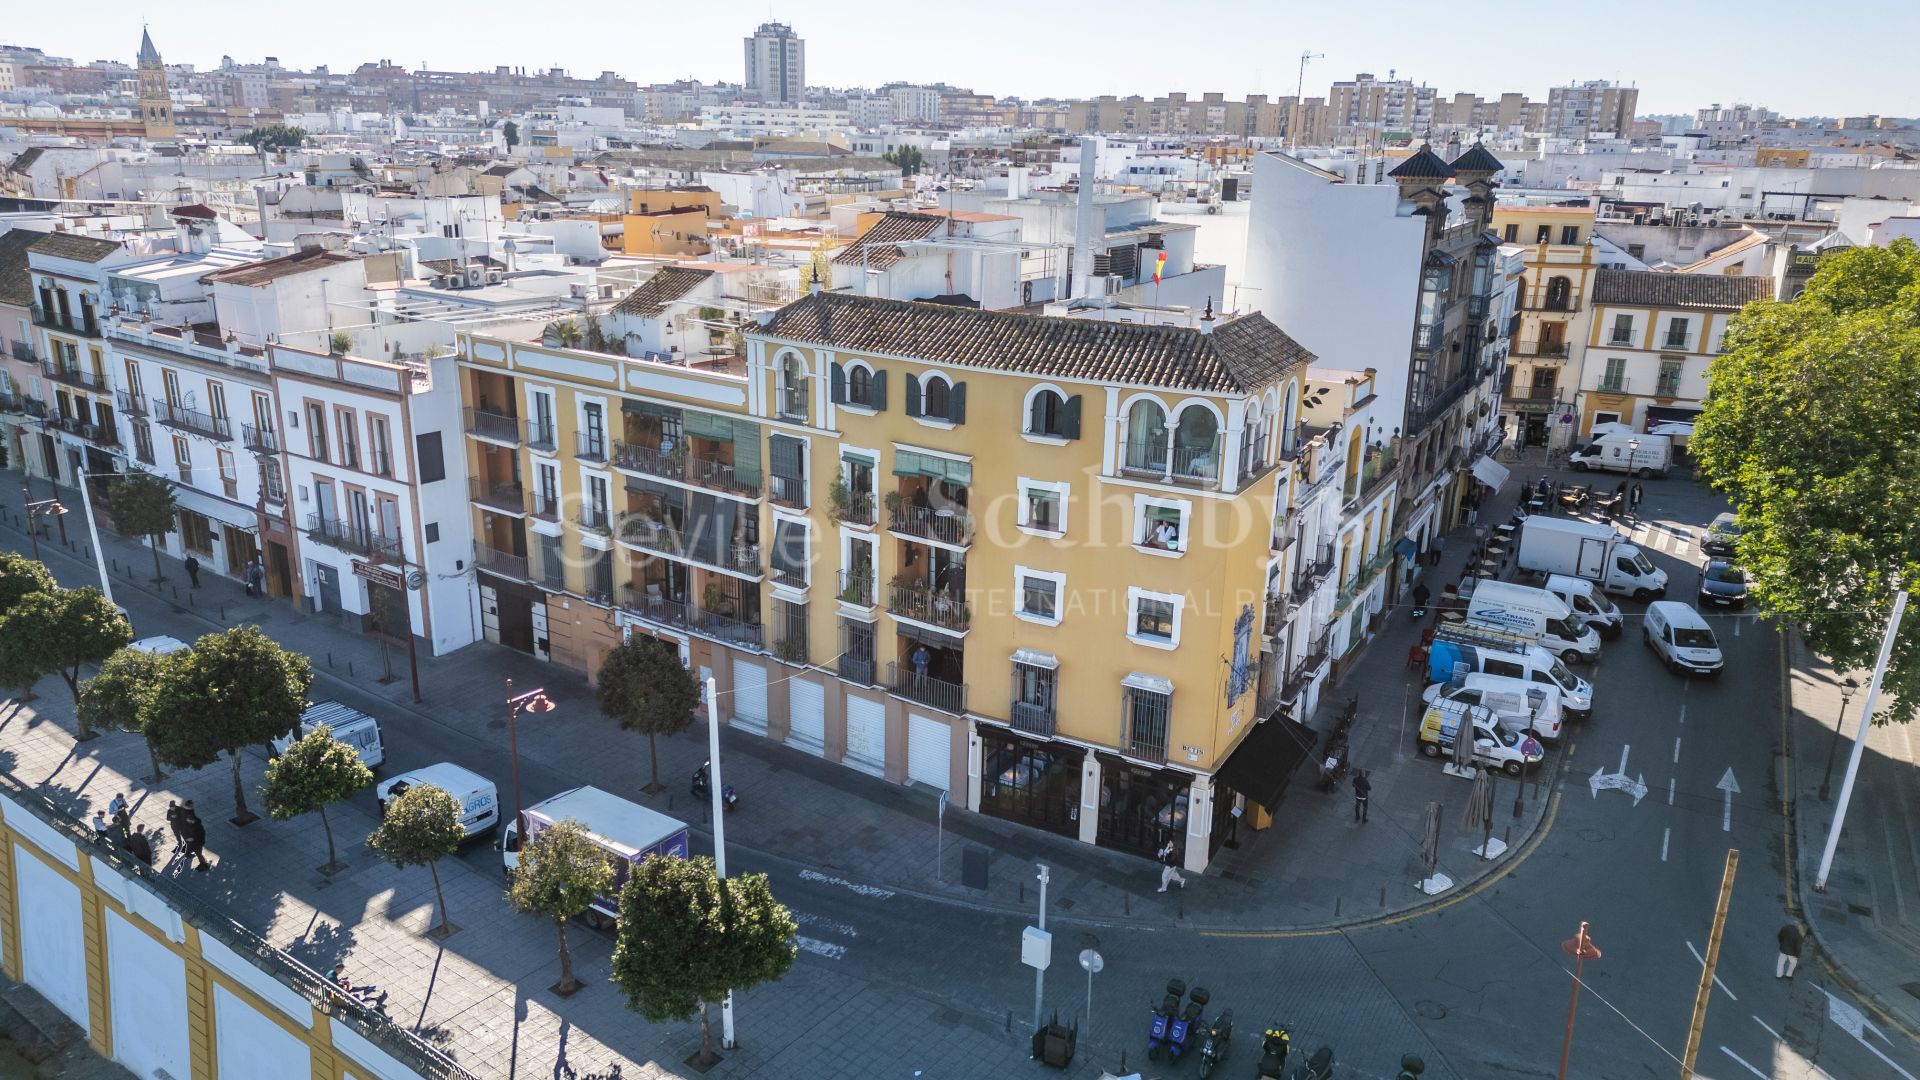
x=1790, y=941
x=139, y=845
x=193, y=570
x=1362, y=787
x=1633, y=497
x=176, y=824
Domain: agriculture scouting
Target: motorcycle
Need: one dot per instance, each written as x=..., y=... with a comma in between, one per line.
x=703, y=787
x=1318, y=1067
x=1219, y=1042
x=1164, y=1018
x=1273, y=1053
x=1181, y=1032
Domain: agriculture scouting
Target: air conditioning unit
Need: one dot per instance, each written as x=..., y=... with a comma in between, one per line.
x=606, y=292
x=495, y=277
x=577, y=290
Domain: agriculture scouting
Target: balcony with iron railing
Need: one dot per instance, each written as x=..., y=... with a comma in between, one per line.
x=1035, y=717
x=709, y=472
x=503, y=563
x=23, y=352
x=106, y=436
x=87, y=323
x=34, y=407
x=1667, y=386
x=1187, y=466
x=541, y=435
x=259, y=440
x=935, y=607
x=74, y=375
x=1613, y=384
x=729, y=629
x=1542, y=350
x=346, y=536
x=545, y=506
x=649, y=603
x=1143, y=726
x=1361, y=579
x=591, y=446
x=1532, y=398
x=852, y=507
x=595, y=519
x=129, y=404
x=1376, y=467
x=494, y=426
x=193, y=420
x=663, y=537
x=1542, y=300
x=650, y=460
x=1311, y=574
x=792, y=402
x=948, y=697
x=10, y=401
x=506, y=496
x=944, y=524
x=858, y=670
x=856, y=587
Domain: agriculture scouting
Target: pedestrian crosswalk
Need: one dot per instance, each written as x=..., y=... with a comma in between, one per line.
x=1668, y=537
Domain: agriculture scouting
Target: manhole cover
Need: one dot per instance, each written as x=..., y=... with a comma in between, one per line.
x=1431, y=1010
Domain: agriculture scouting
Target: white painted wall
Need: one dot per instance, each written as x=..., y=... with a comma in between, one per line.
x=248, y=1044
x=53, y=955
x=147, y=999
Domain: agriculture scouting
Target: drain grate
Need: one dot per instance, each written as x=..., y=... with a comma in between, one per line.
x=1064, y=905
x=1857, y=909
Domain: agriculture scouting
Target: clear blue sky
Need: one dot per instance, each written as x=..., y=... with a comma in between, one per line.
x=1831, y=58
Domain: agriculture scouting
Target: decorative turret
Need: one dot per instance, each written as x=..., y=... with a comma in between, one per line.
x=1476, y=169
x=1422, y=179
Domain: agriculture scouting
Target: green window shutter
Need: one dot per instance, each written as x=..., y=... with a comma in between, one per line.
x=1070, y=418
x=957, y=403
x=878, y=391
x=913, y=395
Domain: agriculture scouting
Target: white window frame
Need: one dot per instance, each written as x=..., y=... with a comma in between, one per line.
x=1060, y=489
x=532, y=405
x=1135, y=594
x=1026, y=415
x=940, y=423
x=797, y=593
x=860, y=408
x=1141, y=503
x=580, y=403
x=1059, y=580
x=845, y=478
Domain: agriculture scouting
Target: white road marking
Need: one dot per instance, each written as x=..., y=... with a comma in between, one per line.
x=820, y=948
x=1855, y=1023
x=1770, y=1031
x=1737, y=620
x=816, y=922
x=1676, y=749
x=1619, y=781
x=1744, y=1065
x=872, y=892
x=1683, y=713
x=1729, y=787
x=1665, y=835
x=1669, y=791
x=1716, y=978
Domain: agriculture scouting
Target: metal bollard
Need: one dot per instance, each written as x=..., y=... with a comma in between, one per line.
x=1336, y=907
x=329, y=659
x=176, y=591
x=1383, y=896
x=223, y=613
x=349, y=669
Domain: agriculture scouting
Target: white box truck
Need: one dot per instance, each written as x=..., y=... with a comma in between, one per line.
x=626, y=830
x=1536, y=614
x=1585, y=549
x=1625, y=452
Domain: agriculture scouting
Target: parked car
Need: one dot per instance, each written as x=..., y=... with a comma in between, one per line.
x=1723, y=536
x=1494, y=745
x=1723, y=584
x=160, y=645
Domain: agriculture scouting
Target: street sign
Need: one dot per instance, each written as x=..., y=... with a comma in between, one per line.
x=379, y=575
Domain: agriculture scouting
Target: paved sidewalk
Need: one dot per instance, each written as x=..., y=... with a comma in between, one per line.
x=1867, y=923
x=800, y=808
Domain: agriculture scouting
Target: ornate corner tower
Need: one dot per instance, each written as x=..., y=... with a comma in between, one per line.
x=156, y=106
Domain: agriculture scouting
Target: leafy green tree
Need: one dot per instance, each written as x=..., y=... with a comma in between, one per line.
x=236, y=688
x=71, y=627
x=686, y=938
x=120, y=697
x=316, y=770
x=142, y=504
x=908, y=158
x=275, y=137
x=561, y=871
x=19, y=665
x=20, y=575
x=644, y=686
x=422, y=827
x=1812, y=430
x=510, y=133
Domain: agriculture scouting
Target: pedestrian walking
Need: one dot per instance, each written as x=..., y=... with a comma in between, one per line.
x=122, y=826
x=196, y=837
x=140, y=845
x=365, y=993
x=100, y=826
x=1633, y=496
x=1421, y=594
x=193, y=571
x=176, y=824
x=1169, y=872
x=1439, y=548
x=1473, y=513
x=1362, y=787
x=1790, y=941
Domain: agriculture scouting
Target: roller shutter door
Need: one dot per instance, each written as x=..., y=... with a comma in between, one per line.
x=750, y=696
x=808, y=730
x=929, y=751
x=867, y=735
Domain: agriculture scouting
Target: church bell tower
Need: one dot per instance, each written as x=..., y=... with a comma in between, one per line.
x=156, y=107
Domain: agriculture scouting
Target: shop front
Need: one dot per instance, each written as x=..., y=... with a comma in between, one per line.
x=1142, y=807
x=1256, y=775
x=1030, y=781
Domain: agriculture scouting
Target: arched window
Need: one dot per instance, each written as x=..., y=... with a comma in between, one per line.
x=1196, y=444
x=936, y=396
x=1289, y=434
x=859, y=386
x=1253, y=442
x=1045, y=414
x=1559, y=294
x=793, y=387
x=1147, y=437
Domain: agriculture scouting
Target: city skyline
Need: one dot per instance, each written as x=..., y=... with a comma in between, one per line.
x=1260, y=56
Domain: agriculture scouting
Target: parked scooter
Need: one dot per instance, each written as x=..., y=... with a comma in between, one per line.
x=1218, y=1043
x=1334, y=759
x=1164, y=1018
x=703, y=787
x=1318, y=1067
x=1273, y=1053
x=1181, y=1033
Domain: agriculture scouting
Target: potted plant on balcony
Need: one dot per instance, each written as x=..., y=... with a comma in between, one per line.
x=840, y=499
x=339, y=343
x=859, y=586
x=893, y=500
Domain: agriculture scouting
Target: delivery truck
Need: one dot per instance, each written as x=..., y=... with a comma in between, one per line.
x=1533, y=613
x=1590, y=550
x=626, y=831
x=1645, y=456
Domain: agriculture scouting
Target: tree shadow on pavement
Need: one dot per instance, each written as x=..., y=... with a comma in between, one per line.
x=324, y=944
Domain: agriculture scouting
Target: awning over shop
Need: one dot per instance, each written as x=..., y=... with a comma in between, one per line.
x=1405, y=548
x=1261, y=766
x=220, y=510
x=1490, y=472
x=1669, y=414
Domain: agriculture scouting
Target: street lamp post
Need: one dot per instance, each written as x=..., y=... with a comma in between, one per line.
x=533, y=701
x=42, y=508
x=1847, y=688
x=716, y=791
x=1582, y=949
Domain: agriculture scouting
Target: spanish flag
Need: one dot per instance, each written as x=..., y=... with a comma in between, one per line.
x=1159, y=264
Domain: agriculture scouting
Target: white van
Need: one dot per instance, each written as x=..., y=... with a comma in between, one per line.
x=1682, y=639
x=1620, y=451
x=1533, y=613
x=479, y=799
x=160, y=645
x=1461, y=650
x=1494, y=744
x=350, y=726
x=1528, y=708
x=1588, y=603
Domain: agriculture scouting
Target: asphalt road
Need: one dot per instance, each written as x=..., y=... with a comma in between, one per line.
x=1478, y=988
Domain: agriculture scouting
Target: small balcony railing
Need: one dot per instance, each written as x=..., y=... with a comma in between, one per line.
x=23, y=352
x=87, y=323
x=342, y=534
x=540, y=435
x=856, y=587
x=591, y=446
x=260, y=440
x=1667, y=387
x=1545, y=350
x=1675, y=343
x=655, y=608
x=504, y=563
x=193, y=420
x=507, y=496
x=730, y=630
x=634, y=457
x=103, y=435
x=720, y=476
x=793, y=402
x=73, y=375
x=922, y=603
x=857, y=508
x=546, y=506
x=949, y=697
x=595, y=519
x=129, y=404
x=488, y=424
x=944, y=524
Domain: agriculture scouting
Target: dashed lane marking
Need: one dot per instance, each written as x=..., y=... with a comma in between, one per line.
x=824, y=925
x=1665, y=835
x=1716, y=978
x=871, y=892
x=820, y=948
x=1743, y=1064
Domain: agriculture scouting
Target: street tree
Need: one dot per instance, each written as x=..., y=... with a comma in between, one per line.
x=908, y=158
x=237, y=688
x=316, y=770
x=141, y=504
x=19, y=663
x=1812, y=432
x=71, y=627
x=561, y=871
x=421, y=827
x=120, y=696
x=20, y=576
x=275, y=137
x=686, y=937
x=643, y=685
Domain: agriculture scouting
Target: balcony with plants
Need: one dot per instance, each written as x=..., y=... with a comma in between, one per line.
x=1187, y=453
x=932, y=591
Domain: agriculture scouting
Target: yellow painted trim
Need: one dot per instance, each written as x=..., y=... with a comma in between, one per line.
x=9, y=908
x=93, y=939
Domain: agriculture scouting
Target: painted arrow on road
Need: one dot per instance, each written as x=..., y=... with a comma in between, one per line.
x=1729, y=787
x=1855, y=1023
x=1619, y=781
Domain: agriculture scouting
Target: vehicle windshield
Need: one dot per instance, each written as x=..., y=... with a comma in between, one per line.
x=1732, y=575
x=1569, y=628
x=1726, y=527
x=1641, y=562
x=1562, y=676
x=1602, y=604
x=1687, y=638
x=1507, y=738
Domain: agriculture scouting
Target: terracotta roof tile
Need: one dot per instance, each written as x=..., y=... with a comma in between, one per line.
x=877, y=248
x=670, y=284
x=255, y=274
x=1652, y=288
x=62, y=245
x=16, y=285
x=1239, y=356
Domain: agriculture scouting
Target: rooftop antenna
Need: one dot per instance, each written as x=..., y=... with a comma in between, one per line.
x=1299, y=91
